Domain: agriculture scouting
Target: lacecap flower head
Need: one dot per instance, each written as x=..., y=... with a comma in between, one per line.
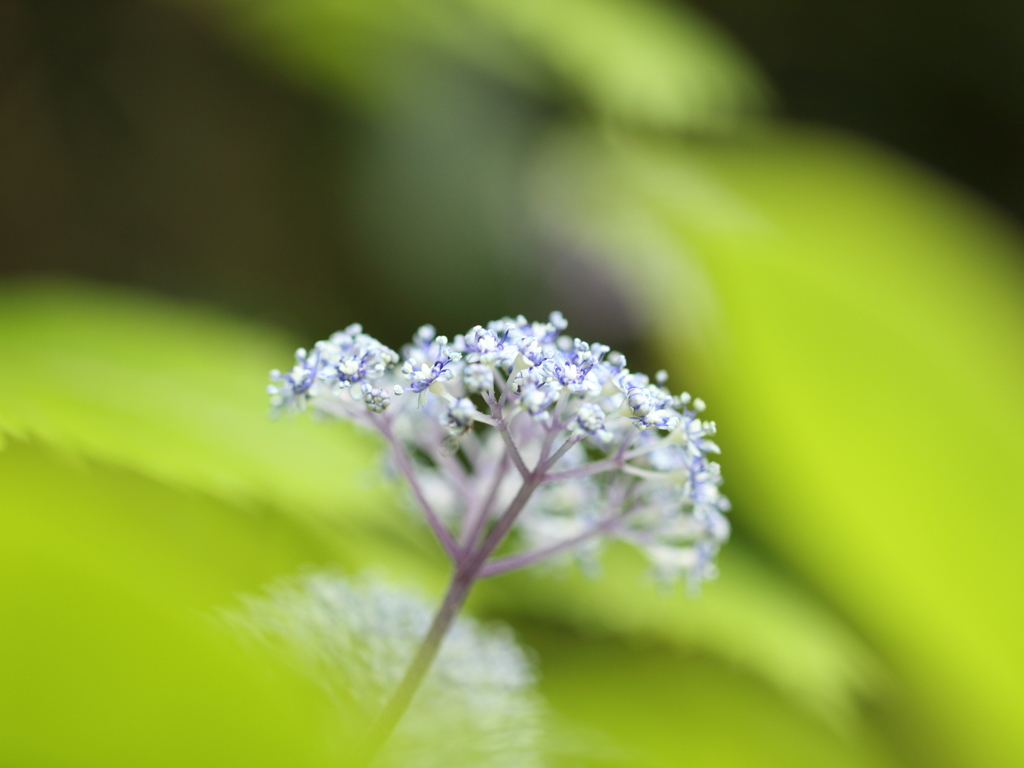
x=515, y=425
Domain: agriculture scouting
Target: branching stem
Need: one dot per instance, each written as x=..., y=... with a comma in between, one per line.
x=502, y=426
x=478, y=518
x=470, y=555
x=402, y=460
x=468, y=565
x=514, y=562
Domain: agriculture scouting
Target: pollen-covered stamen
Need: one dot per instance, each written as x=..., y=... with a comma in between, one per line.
x=293, y=389
x=484, y=346
x=423, y=376
x=351, y=357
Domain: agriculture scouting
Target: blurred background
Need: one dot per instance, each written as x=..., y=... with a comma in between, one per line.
x=809, y=214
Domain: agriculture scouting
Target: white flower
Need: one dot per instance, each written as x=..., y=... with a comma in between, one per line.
x=545, y=392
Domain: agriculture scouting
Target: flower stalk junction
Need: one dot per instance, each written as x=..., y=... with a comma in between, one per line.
x=520, y=444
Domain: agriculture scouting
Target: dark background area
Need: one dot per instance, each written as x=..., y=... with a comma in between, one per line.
x=942, y=81
x=137, y=146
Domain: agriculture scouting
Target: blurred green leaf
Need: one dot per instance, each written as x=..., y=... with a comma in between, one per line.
x=108, y=655
x=641, y=62
x=110, y=582
x=188, y=410
x=647, y=63
x=633, y=702
x=751, y=618
x=175, y=392
x=866, y=365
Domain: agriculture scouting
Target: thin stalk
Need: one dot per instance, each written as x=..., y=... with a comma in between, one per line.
x=403, y=464
x=502, y=427
x=618, y=461
x=549, y=440
x=478, y=519
x=648, y=474
x=554, y=429
x=508, y=386
x=644, y=450
x=467, y=570
x=604, y=465
x=513, y=562
x=382, y=728
x=617, y=497
x=569, y=443
x=508, y=518
x=458, y=590
x=531, y=481
x=471, y=562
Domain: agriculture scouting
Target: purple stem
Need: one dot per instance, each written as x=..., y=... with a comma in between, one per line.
x=467, y=570
x=512, y=562
x=505, y=522
x=458, y=590
x=564, y=449
x=618, y=461
x=507, y=387
x=531, y=481
x=475, y=524
x=470, y=564
x=502, y=428
x=403, y=464
x=605, y=465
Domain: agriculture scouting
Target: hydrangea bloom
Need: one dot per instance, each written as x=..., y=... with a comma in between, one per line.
x=516, y=425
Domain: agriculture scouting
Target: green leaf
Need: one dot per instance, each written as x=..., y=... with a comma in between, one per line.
x=751, y=618
x=646, y=63
x=109, y=651
x=175, y=392
x=188, y=410
x=865, y=365
x=633, y=702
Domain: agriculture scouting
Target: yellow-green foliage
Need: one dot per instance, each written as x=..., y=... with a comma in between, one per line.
x=857, y=325
x=130, y=520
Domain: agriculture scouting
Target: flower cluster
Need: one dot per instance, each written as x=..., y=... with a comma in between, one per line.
x=516, y=424
x=348, y=359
